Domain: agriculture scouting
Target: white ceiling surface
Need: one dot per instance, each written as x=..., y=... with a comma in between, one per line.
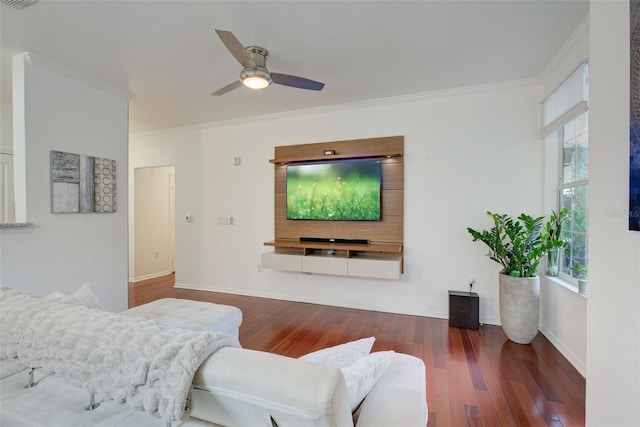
x=167, y=55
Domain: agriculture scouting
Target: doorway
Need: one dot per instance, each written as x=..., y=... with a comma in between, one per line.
x=154, y=222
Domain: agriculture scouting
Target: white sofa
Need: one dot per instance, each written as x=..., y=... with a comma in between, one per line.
x=257, y=386
x=252, y=388
x=234, y=387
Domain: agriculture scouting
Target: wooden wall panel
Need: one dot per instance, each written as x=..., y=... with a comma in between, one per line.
x=389, y=229
x=390, y=232
x=280, y=175
x=356, y=148
x=393, y=174
x=392, y=203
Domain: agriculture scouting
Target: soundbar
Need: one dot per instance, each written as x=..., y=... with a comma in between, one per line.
x=332, y=240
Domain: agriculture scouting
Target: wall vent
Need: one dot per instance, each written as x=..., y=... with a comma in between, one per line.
x=18, y=4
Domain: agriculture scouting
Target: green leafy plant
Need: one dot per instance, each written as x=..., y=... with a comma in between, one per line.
x=580, y=271
x=554, y=226
x=519, y=244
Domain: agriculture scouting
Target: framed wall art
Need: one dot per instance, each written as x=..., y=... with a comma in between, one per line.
x=82, y=184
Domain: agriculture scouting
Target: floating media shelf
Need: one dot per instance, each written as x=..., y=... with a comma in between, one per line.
x=382, y=257
x=375, y=260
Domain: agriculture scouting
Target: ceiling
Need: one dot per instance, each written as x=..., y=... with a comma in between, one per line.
x=168, y=56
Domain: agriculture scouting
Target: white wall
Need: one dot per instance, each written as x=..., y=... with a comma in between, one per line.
x=65, y=111
x=6, y=125
x=7, y=209
x=613, y=309
x=563, y=312
x=466, y=152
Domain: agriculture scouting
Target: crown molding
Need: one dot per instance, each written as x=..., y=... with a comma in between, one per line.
x=75, y=75
x=578, y=33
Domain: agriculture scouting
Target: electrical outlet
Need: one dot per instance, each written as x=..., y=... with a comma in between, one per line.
x=471, y=282
x=237, y=161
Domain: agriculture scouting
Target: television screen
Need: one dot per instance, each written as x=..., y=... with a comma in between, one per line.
x=334, y=191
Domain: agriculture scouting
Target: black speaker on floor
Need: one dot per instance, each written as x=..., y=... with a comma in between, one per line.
x=464, y=309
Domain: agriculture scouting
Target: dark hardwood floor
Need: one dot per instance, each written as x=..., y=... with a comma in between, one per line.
x=474, y=378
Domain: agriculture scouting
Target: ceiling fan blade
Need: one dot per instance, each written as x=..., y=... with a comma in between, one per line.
x=227, y=88
x=295, y=81
x=234, y=46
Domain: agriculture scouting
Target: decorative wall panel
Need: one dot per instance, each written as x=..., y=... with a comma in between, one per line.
x=82, y=184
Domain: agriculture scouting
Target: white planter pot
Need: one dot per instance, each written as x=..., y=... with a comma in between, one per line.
x=520, y=307
x=583, y=286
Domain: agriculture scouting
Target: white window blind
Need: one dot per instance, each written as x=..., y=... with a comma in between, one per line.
x=567, y=100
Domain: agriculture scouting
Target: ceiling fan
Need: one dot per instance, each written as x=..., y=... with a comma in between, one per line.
x=255, y=74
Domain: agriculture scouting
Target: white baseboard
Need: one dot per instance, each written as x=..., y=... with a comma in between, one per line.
x=149, y=276
x=580, y=365
x=385, y=309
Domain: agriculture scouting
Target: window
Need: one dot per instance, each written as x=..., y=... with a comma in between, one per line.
x=565, y=126
x=572, y=189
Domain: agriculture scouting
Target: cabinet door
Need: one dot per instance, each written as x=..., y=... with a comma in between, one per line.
x=324, y=265
x=388, y=268
x=286, y=262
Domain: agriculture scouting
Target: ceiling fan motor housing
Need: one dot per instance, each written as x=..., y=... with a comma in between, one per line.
x=259, y=56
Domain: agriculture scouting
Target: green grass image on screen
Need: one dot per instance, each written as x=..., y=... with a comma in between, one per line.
x=336, y=191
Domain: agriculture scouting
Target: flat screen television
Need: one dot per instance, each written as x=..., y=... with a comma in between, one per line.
x=341, y=190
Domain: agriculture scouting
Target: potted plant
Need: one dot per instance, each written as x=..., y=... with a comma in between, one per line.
x=554, y=229
x=518, y=245
x=580, y=272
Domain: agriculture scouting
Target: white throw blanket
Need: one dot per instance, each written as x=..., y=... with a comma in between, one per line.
x=131, y=360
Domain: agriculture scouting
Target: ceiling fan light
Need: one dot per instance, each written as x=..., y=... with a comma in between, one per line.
x=256, y=82
x=256, y=78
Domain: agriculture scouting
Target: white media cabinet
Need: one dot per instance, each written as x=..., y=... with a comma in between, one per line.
x=373, y=260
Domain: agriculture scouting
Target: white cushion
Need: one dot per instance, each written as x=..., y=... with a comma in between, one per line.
x=83, y=296
x=56, y=403
x=189, y=314
x=341, y=355
x=360, y=369
x=399, y=397
x=362, y=375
